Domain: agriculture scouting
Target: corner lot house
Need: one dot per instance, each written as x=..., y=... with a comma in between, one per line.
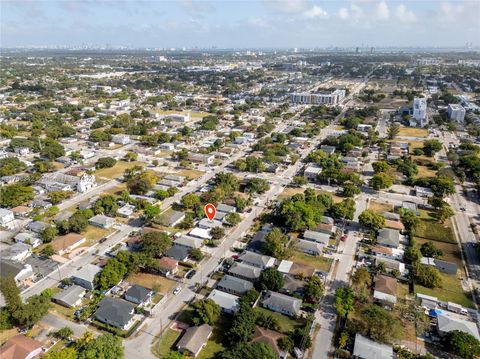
x=85, y=277
x=20, y=347
x=194, y=340
x=368, y=349
x=70, y=297
x=139, y=295
x=282, y=303
x=115, y=312
x=67, y=243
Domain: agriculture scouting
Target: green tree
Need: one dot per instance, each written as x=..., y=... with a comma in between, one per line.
x=105, y=162
x=64, y=333
x=257, y=185
x=412, y=254
x=106, y=205
x=444, y=213
x=217, y=233
x=286, y=343
x=15, y=194
x=233, y=218
x=243, y=325
x=155, y=244
x=150, y=212
x=131, y=156
x=196, y=254
x=381, y=180
x=371, y=220
x=300, y=181
x=428, y=249
x=48, y=251
x=344, y=209
x=250, y=296
x=343, y=301
x=249, y=351
x=11, y=293
x=51, y=149
x=314, y=289
x=59, y=196
x=106, y=346
x=48, y=234
x=190, y=201
x=65, y=353
x=393, y=131
x=275, y=244
x=142, y=182
x=271, y=279
x=430, y=147
x=462, y=344
x=174, y=355
x=205, y=311
x=428, y=276
x=111, y=274
x=381, y=166
x=379, y=324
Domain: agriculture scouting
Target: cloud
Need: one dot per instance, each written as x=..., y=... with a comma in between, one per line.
x=405, y=15
x=354, y=13
x=258, y=22
x=287, y=6
x=196, y=8
x=382, y=11
x=315, y=12
x=343, y=13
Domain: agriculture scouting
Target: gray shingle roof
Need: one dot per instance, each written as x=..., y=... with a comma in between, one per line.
x=390, y=237
x=368, y=349
x=138, y=292
x=285, y=302
x=70, y=295
x=194, y=338
x=234, y=284
x=115, y=310
x=447, y=323
x=245, y=270
x=255, y=259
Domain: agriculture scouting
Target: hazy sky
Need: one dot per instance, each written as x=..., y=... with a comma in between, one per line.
x=235, y=23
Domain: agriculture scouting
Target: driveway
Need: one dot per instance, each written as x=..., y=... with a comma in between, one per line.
x=54, y=322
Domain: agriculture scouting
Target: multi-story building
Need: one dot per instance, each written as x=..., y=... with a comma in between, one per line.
x=334, y=98
x=419, y=112
x=456, y=112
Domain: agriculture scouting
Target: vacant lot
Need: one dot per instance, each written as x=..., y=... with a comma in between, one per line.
x=291, y=191
x=287, y=324
x=190, y=174
x=451, y=291
x=321, y=263
x=380, y=206
x=413, y=132
x=192, y=114
x=93, y=233
x=148, y=280
x=430, y=229
x=424, y=171
x=167, y=342
x=451, y=253
x=117, y=170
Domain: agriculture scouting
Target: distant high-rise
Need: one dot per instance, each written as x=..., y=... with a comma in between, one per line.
x=419, y=115
x=456, y=112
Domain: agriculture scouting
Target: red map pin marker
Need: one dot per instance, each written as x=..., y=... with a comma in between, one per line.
x=210, y=211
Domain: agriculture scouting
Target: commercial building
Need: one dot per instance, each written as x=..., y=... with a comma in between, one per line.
x=419, y=112
x=334, y=98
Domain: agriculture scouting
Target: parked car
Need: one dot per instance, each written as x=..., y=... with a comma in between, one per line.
x=177, y=290
x=190, y=273
x=103, y=239
x=343, y=238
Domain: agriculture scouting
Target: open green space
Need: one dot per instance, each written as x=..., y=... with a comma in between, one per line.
x=319, y=262
x=451, y=291
x=117, y=170
x=429, y=228
x=167, y=342
x=287, y=324
x=451, y=253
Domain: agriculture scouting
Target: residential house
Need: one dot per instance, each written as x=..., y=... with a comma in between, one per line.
x=67, y=243
x=70, y=297
x=385, y=290
x=224, y=208
x=126, y=210
x=423, y=192
x=441, y=265
x=28, y=238
x=139, y=295
x=16, y=252
x=201, y=158
x=309, y=247
x=101, y=221
x=391, y=264
x=205, y=223
x=256, y=260
x=292, y=285
x=256, y=244
x=245, y=271
x=19, y=271
x=179, y=253
x=37, y=226
x=6, y=216
x=447, y=322
x=200, y=233
x=168, y=266
x=388, y=237
x=85, y=277
x=172, y=218
x=189, y=242
x=318, y=237
x=121, y=139
x=21, y=347
x=134, y=243
x=234, y=285
x=282, y=303
x=270, y=338
x=365, y=348
x=194, y=340
x=311, y=172
x=228, y=302
x=115, y=312
x=387, y=252
x=21, y=211
x=285, y=266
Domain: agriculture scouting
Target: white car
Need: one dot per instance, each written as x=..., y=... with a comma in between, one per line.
x=177, y=290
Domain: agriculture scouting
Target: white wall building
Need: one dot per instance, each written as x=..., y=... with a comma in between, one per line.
x=334, y=98
x=419, y=114
x=456, y=112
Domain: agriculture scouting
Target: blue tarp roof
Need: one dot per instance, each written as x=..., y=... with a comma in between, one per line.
x=435, y=312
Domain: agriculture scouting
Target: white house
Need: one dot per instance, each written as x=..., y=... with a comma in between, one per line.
x=121, y=139
x=6, y=216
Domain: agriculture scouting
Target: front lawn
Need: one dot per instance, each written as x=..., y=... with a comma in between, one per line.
x=451, y=253
x=167, y=342
x=431, y=229
x=451, y=291
x=287, y=324
x=152, y=281
x=320, y=262
x=190, y=173
x=117, y=170
x=380, y=206
x=94, y=233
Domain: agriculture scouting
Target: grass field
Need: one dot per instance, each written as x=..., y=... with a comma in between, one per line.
x=192, y=114
x=151, y=280
x=451, y=291
x=430, y=229
x=451, y=253
x=93, y=233
x=62, y=311
x=287, y=324
x=216, y=343
x=413, y=132
x=191, y=174
x=380, y=206
x=320, y=262
x=167, y=342
x=424, y=171
x=291, y=191
x=117, y=170
x=116, y=189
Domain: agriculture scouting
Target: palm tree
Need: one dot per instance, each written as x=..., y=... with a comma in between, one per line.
x=393, y=131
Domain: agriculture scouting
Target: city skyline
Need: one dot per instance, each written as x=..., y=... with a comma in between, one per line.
x=236, y=24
